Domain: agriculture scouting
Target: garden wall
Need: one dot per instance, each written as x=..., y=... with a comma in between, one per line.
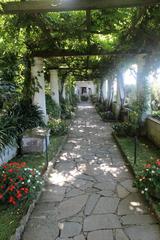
x=7, y=154
x=153, y=130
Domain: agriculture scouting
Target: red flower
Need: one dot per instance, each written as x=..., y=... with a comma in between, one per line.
x=12, y=200
x=148, y=165
x=1, y=196
x=158, y=163
x=20, y=178
x=19, y=195
x=11, y=188
x=26, y=190
x=10, y=170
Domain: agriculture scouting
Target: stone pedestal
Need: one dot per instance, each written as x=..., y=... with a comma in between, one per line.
x=39, y=96
x=35, y=140
x=54, y=85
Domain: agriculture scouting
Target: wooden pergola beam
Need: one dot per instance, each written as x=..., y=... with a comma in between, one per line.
x=73, y=53
x=36, y=6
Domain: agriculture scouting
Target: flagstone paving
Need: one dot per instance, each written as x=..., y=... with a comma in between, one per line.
x=89, y=194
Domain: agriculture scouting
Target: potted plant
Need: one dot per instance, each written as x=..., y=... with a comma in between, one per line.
x=149, y=181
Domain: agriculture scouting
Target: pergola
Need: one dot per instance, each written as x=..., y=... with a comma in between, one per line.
x=36, y=6
x=70, y=5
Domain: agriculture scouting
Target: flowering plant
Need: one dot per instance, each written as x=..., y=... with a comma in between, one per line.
x=18, y=183
x=149, y=181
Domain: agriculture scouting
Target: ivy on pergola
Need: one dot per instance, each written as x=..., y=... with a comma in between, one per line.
x=93, y=36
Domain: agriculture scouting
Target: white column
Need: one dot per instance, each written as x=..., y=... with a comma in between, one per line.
x=118, y=102
x=64, y=92
x=105, y=90
x=54, y=85
x=143, y=87
x=121, y=87
x=39, y=96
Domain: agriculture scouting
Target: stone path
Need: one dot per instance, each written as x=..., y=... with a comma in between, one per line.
x=89, y=194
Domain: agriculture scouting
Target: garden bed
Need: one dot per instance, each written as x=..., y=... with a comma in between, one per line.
x=10, y=217
x=147, y=153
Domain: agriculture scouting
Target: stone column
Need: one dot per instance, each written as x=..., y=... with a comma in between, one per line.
x=121, y=88
x=105, y=90
x=54, y=85
x=64, y=92
x=39, y=96
x=110, y=91
x=118, y=102
x=143, y=87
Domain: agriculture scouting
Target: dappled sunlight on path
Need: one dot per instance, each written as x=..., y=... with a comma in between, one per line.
x=89, y=193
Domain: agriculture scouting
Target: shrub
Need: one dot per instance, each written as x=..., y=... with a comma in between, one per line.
x=94, y=99
x=156, y=115
x=58, y=127
x=26, y=114
x=101, y=107
x=84, y=98
x=107, y=116
x=66, y=109
x=8, y=131
x=123, y=129
x=149, y=181
x=18, y=183
x=53, y=109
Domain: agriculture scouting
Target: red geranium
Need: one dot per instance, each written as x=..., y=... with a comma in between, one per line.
x=158, y=163
x=148, y=165
x=18, y=183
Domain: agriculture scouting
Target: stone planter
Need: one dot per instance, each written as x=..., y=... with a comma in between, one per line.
x=153, y=130
x=35, y=140
x=7, y=154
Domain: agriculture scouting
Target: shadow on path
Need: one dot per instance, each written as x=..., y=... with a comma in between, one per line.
x=89, y=194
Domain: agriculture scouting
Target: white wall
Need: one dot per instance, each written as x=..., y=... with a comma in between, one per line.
x=87, y=84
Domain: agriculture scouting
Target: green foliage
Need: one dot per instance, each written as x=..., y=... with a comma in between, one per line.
x=8, y=67
x=27, y=115
x=18, y=183
x=101, y=107
x=94, y=99
x=7, y=92
x=123, y=129
x=84, y=98
x=146, y=152
x=8, y=131
x=66, y=110
x=16, y=119
x=148, y=182
x=156, y=115
x=107, y=116
x=136, y=115
x=53, y=109
x=58, y=127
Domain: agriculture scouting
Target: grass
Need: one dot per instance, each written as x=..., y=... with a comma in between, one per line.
x=9, y=216
x=38, y=160
x=146, y=152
